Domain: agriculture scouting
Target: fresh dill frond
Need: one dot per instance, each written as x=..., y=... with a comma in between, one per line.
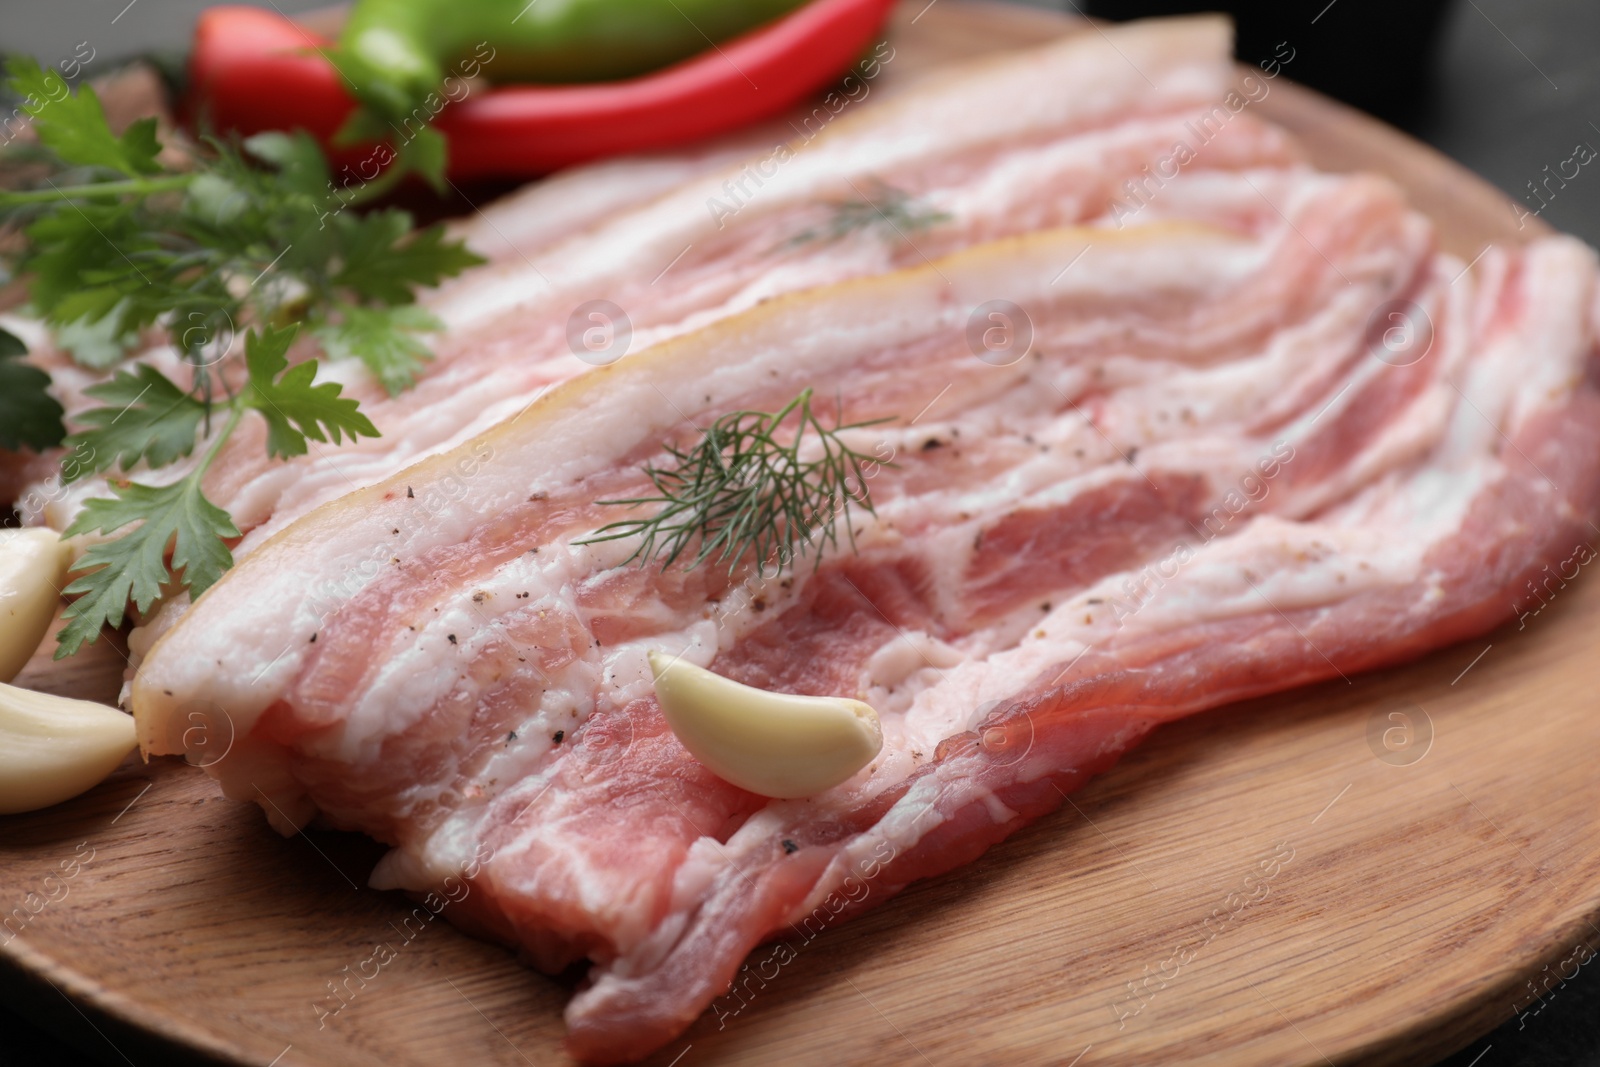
x=744, y=488
x=894, y=213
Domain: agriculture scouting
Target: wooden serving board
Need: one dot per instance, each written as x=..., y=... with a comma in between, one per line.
x=1417, y=844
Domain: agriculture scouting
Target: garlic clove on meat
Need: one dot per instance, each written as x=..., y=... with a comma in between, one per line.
x=774, y=744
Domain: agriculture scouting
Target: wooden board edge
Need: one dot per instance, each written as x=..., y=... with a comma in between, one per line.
x=176, y=1039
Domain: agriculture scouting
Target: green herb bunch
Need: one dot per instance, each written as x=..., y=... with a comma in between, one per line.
x=231, y=249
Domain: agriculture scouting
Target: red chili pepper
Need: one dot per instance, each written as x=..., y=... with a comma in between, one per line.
x=253, y=70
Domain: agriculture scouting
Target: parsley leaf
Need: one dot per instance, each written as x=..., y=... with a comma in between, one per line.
x=74, y=125
x=427, y=154
x=146, y=417
x=29, y=416
x=158, y=422
x=294, y=408
x=96, y=345
x=239, y=244
x=384, y=339
x=299, y=162
x=134, y=566
x=380, y=264
x=81, y=261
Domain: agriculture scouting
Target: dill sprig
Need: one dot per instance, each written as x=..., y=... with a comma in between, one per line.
x=741, y=490
x=894, y=212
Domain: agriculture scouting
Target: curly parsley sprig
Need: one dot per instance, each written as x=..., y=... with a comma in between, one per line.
x=128, y=234
x=249, y=233
x=162, y=424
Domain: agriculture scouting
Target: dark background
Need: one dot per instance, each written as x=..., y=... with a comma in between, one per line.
x=1507, y=87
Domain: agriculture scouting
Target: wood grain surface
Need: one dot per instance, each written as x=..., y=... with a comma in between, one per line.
x=1374, y=871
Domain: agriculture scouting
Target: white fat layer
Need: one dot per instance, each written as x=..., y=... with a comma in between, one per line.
x=547, y=211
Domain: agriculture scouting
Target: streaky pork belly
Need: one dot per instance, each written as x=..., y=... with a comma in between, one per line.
x=1205, y=478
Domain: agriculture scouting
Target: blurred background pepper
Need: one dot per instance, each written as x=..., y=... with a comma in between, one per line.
x=251, y=70
x=548, y=41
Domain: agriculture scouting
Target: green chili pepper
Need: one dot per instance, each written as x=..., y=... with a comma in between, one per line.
x=396, y=52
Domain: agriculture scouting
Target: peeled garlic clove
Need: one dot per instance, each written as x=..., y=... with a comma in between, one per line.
x=33, y=565
x=53, y=748
x=774, y=744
